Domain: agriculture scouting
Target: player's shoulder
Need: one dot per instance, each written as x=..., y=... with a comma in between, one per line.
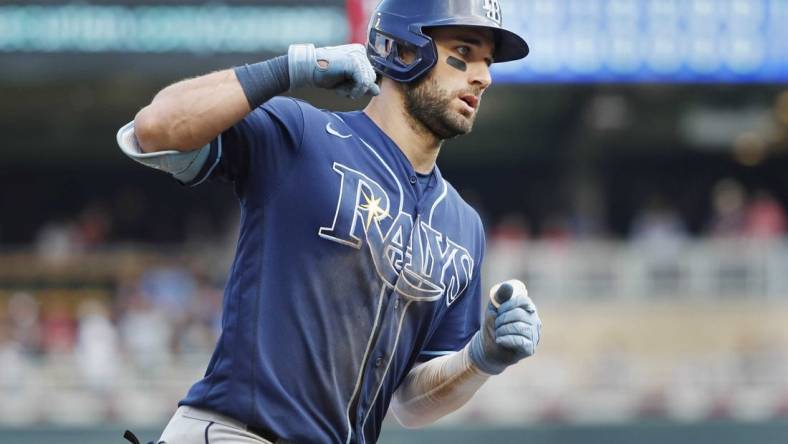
x=291, y=105
x=299, y=116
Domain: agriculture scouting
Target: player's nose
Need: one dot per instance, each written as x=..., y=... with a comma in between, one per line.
x=480, y=76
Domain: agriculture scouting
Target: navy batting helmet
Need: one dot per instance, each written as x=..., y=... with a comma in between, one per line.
x=402, y=22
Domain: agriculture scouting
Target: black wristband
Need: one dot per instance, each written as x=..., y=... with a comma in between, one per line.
x=264, y=80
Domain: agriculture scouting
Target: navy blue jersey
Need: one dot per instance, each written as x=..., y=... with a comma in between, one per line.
x=349, y=269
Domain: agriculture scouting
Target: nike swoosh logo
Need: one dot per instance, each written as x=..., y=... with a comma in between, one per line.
x=333, y=132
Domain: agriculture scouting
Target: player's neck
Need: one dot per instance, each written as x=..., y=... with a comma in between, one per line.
x=419, y=145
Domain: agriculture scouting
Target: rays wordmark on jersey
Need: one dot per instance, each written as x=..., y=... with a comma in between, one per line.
x=412, y=257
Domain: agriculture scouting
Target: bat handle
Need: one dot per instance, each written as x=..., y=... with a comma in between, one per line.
x=503, y=294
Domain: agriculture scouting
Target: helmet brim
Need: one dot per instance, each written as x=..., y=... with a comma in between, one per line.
x=509, y=46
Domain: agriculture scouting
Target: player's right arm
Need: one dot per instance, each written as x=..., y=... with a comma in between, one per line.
x=173, y=133
x=187, y=115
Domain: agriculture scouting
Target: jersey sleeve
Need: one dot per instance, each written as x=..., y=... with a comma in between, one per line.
x=261, y=146
x=462, y=320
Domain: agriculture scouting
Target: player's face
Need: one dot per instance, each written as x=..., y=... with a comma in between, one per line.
x=447, y=99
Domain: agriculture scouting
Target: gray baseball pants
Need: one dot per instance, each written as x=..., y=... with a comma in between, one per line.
x=194, y=426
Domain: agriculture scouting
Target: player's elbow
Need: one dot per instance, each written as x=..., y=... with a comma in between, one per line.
x=149, y=131
x=158, y=128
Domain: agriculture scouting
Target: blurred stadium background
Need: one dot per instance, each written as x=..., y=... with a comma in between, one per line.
x=633, y=170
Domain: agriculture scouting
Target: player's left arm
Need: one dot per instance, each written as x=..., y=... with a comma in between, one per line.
x=510, y=332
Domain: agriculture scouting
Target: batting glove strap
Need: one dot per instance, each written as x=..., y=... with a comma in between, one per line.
x=302, y=62
x=476, y=349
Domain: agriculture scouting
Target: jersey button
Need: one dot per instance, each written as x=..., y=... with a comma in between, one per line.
x=396, y=303
x=379, y=362
x=413, y=180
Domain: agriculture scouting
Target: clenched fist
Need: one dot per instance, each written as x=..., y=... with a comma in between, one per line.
x=345, y=69
x=510, y=332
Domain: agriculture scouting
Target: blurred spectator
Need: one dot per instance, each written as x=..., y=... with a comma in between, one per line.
x=659, y=226
x=12, y=358
x=169, y=288
x=728, y=218
x=557, y=228
x=24, y=322
x=765, y=217
x=199, y=330
x=507, y=240
x=660, y=235
x=97, y=346
x=146, y=333
x=513, y=227
x=58, y=327
x=92, y=227
x=194, y=337
x=56, y=241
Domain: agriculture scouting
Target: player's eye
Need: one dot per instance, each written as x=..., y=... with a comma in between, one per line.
x=464, y=51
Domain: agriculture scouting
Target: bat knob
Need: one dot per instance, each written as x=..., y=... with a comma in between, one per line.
x=503, y=294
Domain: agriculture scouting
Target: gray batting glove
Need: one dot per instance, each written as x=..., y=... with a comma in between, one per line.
x=510, y=331
x=345, y=69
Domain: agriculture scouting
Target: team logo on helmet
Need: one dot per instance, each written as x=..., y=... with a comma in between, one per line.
x=493, y=10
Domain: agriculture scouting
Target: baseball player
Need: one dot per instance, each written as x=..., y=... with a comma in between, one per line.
x=356, y=284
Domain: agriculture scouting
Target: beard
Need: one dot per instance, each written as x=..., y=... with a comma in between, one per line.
x=430, y=105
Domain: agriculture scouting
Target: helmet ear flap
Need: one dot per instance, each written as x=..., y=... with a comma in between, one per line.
x=400, y=59
x=395, y=51
x=381, y=44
